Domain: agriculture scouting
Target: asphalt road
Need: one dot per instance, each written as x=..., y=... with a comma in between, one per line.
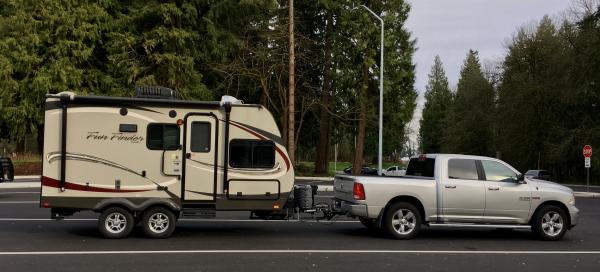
x=29, y=241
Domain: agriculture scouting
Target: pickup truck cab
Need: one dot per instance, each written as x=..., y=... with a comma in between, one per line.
x=457, y=191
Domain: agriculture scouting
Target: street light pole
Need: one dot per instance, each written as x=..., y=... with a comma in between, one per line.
x=380, y=154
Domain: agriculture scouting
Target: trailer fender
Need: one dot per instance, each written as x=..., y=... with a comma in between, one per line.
x=135, y=207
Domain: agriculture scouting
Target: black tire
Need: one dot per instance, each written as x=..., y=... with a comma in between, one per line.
x=546, y=220
x=399, y=230
x=161, y=229
x=115, y=223
x=368, y=222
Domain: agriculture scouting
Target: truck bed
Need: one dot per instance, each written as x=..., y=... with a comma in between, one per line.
x=380, y=189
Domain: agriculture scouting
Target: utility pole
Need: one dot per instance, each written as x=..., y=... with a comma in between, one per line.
x=291, y=87
x=380, y=145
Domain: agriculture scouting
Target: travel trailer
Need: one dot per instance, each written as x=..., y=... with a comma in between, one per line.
x=153, y=159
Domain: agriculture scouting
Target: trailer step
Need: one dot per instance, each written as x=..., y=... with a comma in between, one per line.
x=198, y=210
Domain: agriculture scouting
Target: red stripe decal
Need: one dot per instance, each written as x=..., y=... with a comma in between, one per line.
x=50, y=182
x=285, y=158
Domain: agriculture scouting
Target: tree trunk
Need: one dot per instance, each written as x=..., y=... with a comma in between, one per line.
x=291, y=95
x=323, y=147
x=362, y=121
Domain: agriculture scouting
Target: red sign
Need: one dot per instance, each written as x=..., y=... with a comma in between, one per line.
x=587, y=151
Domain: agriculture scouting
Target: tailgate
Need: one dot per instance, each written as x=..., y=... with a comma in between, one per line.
x=343, y=186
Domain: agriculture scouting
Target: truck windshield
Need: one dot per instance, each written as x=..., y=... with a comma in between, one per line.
x=420, y=167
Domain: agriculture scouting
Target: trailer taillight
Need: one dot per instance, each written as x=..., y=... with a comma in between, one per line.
x=46, y=204
x=359, y=191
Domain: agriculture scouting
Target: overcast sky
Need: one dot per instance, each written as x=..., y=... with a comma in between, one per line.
x=450, y=28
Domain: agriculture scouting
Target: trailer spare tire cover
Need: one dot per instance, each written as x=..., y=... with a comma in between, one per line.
x=303, y=195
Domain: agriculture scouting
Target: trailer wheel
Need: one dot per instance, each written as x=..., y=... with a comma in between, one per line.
x=158, y=222
x=402, y=221
x=115, y=223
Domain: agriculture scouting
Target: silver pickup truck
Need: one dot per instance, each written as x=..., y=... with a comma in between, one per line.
x=457, y=191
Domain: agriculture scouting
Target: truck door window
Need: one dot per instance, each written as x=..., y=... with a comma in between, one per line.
x=200, y=141
x=495, y=171
x=251, y=153
x=462, y=169
x=162, y=137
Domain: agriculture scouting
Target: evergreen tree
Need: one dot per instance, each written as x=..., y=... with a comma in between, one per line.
x=530, y=95
x=469, y=124
x=438, y=99
x=48, y=46
x=158, y=43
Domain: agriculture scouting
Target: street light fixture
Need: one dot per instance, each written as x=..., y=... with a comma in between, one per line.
x=379, y=157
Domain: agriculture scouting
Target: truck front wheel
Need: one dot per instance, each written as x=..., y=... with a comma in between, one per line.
x=115, y=223
x=402, y=221
x=549, y=223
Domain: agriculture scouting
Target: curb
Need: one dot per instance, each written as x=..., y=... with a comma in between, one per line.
x=322, y=188
x=314, y=179
x=36, y=184
x=586, y=194
x=325, y=188
x=20, y=185
x=27, y=177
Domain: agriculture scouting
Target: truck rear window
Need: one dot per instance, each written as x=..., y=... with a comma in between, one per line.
x=420, y=167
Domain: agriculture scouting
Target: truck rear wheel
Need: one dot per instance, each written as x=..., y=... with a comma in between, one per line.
x=549, y=223
x=158, y=222
x=402, y=221
x=115, y=223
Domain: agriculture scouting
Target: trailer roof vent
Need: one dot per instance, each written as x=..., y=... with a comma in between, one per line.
x=155, y=92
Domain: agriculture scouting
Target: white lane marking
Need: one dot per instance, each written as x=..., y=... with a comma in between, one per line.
x=500, y=252
x=18, y=202
x=192, y=220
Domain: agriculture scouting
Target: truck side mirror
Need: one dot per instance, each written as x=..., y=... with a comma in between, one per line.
x=520, y=179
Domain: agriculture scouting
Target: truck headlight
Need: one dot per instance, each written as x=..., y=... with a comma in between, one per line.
x=572, y=200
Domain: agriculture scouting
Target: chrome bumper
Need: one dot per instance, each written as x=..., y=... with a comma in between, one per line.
x=351, y=209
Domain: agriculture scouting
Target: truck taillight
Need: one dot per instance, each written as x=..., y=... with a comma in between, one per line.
x=359, y=191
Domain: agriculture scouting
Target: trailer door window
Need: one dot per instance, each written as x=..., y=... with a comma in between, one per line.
x=162, y=137
x=200, y=137
x=251, y=154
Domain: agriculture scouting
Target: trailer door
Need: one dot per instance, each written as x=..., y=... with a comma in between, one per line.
x=201, y=151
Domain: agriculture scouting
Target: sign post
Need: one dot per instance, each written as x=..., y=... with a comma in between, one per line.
x=587, y=154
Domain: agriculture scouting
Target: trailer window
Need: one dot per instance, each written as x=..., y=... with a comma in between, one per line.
x=162, y=137
x=251, y=154
x=200, y=141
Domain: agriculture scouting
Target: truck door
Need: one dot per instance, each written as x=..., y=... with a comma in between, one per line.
x=506, y=201
x=201, y=149
x=463, y=193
